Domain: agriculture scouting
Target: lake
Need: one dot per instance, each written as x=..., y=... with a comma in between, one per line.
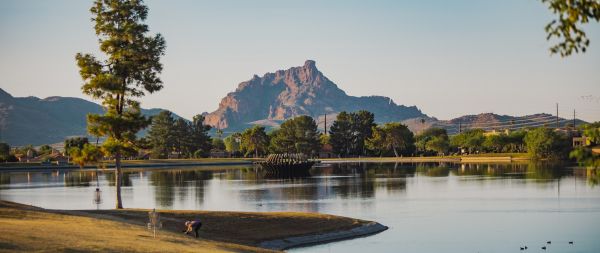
x=429, y=207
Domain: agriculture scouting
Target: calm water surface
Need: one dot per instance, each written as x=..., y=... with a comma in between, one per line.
x=430, y=207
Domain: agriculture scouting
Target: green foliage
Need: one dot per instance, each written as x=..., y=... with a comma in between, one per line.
x=349, y=132
x=584, y=155
x=592, y=132
x=129, y=70
x=87, y=155
x=254, y=141
x=185, y=138
x=4, y=152
x=472, y=140
x=199, y=138
x=45, y=150
x=324, y=139
x=232, y=143
x=341, y=134
x=76, y=142
x=433, y=140
x=181, y=133
x=218, y=144
x=571, y=15
x=394, y=137
x=542, y=142
x=160, y=135
x=297, y=135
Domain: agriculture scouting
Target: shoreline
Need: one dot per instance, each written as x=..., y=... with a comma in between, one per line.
x=250, y=231
x=166, y=163
x=309, y=240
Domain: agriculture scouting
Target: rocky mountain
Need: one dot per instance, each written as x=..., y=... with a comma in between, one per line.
x=31, y=120
x=302, y=90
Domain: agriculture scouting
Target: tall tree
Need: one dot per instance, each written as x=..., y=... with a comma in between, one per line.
x=545, y=143
x=75, y=142
x=181, y=133
x=232, y=143
x=297, y=135
x=394, y=137
x=433, y=139
x=255, y=141
x=340, y=134
x=201, y=142
x=4, y=152
x=86, y=155
x=161, y=135
x=567, y=27
x=362, y=128
x=471, y=139
x=130, y=70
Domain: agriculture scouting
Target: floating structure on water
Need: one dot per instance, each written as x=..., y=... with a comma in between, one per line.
x=287, y=164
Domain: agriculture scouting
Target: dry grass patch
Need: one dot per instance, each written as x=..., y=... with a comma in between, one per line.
x=24, y=229
x=249, y=228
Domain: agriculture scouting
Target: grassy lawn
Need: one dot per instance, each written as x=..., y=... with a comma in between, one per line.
x=26, y=229
x=248, y=228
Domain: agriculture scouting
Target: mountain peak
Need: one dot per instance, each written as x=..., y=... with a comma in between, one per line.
x=300, y=90
x=310, y=64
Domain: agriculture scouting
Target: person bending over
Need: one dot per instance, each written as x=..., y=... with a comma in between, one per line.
x=192, y=226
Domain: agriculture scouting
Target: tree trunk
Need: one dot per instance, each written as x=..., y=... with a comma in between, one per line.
x=395, y=151
x=118, y=174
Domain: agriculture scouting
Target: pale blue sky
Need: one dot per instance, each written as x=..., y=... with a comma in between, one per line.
x=449, y=58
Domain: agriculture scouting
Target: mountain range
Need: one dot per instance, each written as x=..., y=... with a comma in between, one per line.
x=31, y=120
x=266, y=100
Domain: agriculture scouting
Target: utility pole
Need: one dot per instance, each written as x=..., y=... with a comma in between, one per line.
x=574, y=120
x=325, y=124
x=459, y=126
x=556, y=115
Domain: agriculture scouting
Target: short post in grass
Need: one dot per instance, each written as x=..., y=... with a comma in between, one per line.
x=154, y=221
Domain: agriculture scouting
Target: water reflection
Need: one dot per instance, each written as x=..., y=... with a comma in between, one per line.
x=439, y=199
x=344, y=180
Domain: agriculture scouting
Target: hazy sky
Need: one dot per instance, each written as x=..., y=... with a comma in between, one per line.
x=449, y=58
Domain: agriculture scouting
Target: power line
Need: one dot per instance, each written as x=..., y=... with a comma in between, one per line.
x=504, y=125
x=502, y=121
x=538, y=124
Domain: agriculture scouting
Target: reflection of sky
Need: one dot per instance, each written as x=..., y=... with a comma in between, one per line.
x=429, y=208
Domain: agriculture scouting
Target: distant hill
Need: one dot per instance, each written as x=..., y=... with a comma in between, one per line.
x=491, y=121
x=31, y=120
x=303, y=90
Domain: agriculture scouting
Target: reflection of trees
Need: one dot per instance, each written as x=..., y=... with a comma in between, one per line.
x=433, y=170
x=78, y=178
x=593, y=176
x=369, y=176
x=125, y=178
x=4, y=178
x=546, y=170
x=168, y=183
